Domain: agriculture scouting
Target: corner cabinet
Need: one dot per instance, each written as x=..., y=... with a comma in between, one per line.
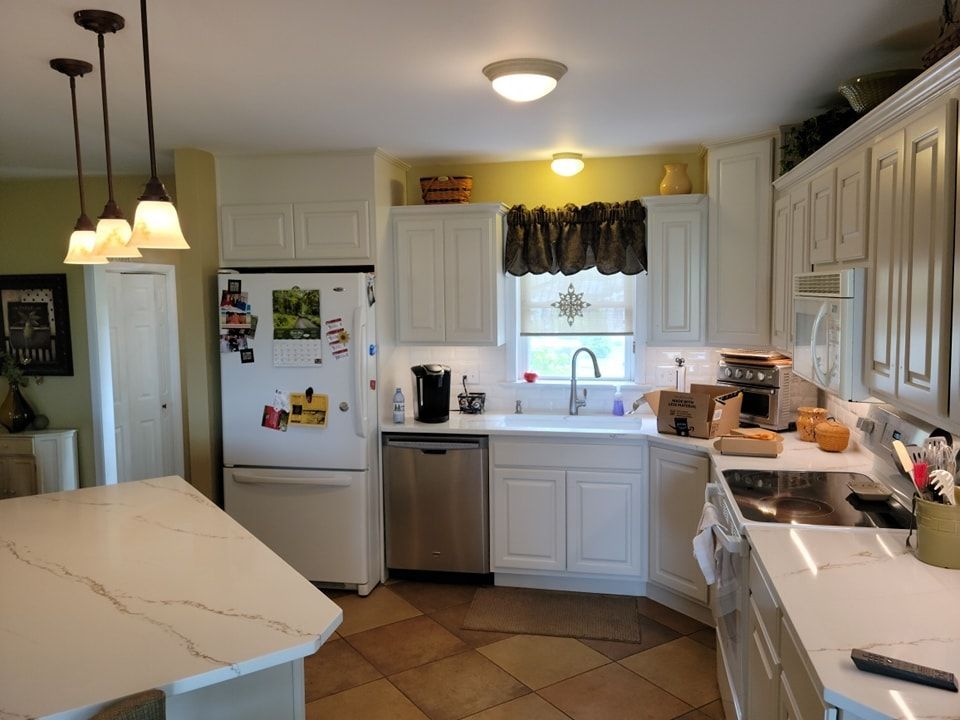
x=41, y=461
x=677, y=484
x=676, y=247
x=449, y=282
x=738, y=246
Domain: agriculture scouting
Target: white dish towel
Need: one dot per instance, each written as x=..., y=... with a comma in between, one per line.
x=704, y=544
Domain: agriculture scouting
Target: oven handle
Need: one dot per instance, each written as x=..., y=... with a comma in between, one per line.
x=732, y=544
x=818, y=374
x=750, y=388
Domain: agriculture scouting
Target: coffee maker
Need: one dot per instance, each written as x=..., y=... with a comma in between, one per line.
x=432, y=386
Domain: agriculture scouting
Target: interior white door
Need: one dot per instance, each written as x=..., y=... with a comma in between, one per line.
x=118, y=372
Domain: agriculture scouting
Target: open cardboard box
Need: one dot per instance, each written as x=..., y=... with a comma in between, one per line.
x=707, y=411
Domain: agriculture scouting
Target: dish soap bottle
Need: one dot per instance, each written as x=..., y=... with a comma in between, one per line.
x=399, y=407
x=618, y=402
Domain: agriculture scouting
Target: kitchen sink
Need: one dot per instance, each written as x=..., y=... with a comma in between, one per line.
x=601, y=422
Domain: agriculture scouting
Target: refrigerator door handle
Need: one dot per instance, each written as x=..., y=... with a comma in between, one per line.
x=337, y=480
x=359, y=404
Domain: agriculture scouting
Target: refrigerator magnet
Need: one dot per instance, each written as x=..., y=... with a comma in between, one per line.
x=246, y=356
x=309, y=410
x=274, y=419
x=233, y=286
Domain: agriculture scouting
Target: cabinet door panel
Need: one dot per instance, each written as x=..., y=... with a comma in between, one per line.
x=604, y=521
x=420, y=311
x=470, y=257
x=851, y=231
x=927, y=260
x=822, y=198
x=332, y=231
x=677, y=483
x=799, y=246
x=257, y=232
x=529, y=519
x=782, y=282
x=763, y=674
x=18, y=476
x=886, y=186
x=675, y=242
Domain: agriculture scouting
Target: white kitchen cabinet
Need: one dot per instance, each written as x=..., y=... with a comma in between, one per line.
x=449, y=282
x=781, y=283
x=913, y=173
x=603, y=535
x=851, y=224
x=676, y=246
x=738, y=242
x=823, y=217
x=800, y=697
x=529, y=519
x=296, y=231
x=575, y=508
x=38, y=461
x=763, y=673
x=677, y=484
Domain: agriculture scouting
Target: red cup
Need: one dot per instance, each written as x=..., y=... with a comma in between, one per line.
x=530, y=376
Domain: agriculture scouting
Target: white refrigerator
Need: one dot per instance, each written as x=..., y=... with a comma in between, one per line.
x=299, y=401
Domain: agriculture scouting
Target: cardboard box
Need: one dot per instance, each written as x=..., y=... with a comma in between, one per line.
x=732, y=445
x=706, y=411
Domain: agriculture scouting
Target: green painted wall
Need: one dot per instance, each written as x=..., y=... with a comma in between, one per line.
x=533, y=183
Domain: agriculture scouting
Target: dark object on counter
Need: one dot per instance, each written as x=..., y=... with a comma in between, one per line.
x=865, y=92
x=15, y=412
x=903, y=670
x=471, y=403
x=432, y=385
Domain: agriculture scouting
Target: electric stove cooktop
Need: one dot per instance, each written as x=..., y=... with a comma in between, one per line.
x=810, y=498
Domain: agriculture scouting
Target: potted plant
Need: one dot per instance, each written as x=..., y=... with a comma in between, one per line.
x=15, y=412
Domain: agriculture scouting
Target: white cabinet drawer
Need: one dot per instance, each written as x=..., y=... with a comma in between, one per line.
x=575, y=454
x=16, y=446
x=768, y=611
x=806, y=698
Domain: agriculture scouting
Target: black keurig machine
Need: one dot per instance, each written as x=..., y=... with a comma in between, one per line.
x=432, y=384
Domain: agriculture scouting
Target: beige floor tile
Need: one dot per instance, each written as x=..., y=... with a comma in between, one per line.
x=540, y=660
x=430, y=597
x=682, y=667
x=452, y=619
x=706, y=637
x=458, y=686
x=666, y=616
x=612, y=692
x=402, y=645
x=529, y=707
x=380, y=607
x=378, y=700
x=714, y=710
x=333, y=668
x=651, y=634
x=694, y=715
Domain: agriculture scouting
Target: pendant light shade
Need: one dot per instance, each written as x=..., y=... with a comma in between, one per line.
x=524, y=79
x=80, y=251
x=113, y=230
x=155, y=224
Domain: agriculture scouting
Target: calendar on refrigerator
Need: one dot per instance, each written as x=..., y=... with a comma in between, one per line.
x=297, y=328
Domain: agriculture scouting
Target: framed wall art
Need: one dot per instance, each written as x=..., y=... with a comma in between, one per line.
x=35, y=322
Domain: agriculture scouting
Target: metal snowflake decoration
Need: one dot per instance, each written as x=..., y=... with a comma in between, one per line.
x=570, y=305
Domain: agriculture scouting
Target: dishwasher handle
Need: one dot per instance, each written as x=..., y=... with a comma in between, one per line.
x=429, y=446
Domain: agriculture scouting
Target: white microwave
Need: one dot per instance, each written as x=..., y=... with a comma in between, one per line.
x=829, y=315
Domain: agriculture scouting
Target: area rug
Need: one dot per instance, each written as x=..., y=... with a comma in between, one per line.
x=547, y=612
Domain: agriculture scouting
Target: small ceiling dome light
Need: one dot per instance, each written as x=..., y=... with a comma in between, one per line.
x=524, y=79
x=567, y=163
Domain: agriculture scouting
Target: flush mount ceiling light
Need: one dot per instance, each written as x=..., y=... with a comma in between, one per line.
x=524, y=79
x=113, y=230
x=83, y=239
x=567, y=163
x=155, y=224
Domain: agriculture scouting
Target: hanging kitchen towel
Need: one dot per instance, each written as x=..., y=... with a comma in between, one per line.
x=704, y=548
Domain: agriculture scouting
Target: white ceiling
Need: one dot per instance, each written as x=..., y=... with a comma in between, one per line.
x=237, y=76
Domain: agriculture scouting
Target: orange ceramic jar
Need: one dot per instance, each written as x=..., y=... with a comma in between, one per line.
x=807, y=420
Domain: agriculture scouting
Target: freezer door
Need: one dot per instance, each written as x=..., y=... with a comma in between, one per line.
x=247, y=388
x=316, y=521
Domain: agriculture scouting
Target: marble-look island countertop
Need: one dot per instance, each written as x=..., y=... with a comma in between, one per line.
x=111, y=590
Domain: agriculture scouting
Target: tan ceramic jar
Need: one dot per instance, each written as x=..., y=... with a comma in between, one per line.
x=807, y=420
x=832, y=436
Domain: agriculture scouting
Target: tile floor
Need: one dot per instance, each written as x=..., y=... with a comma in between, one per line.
x=402, y=655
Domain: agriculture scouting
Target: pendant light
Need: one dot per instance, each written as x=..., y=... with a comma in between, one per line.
x=113, y=230
x=524, y=79
x=155, y=224
x=83, y=239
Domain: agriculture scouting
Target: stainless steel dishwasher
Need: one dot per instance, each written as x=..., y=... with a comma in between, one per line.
x=436, y=499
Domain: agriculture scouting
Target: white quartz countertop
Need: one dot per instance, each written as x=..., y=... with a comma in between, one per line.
x=111, y=590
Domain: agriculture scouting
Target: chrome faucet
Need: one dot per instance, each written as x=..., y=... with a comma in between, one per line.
x=575, y=402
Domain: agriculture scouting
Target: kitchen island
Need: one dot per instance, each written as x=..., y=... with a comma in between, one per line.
x=111, y=590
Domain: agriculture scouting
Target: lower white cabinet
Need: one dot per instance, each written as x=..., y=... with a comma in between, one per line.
x=677, y=484
x=551, y=515
x=40, y=461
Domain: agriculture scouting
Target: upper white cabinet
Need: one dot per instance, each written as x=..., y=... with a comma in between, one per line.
x=41, y=461
x=822, y=217
x=780, y=318
x=449, y=282
x=676, y=249
x=677, y=484
x=912, y=205
x=298, y=231
x=325, y=209
x=738, y=245
x=851, y=225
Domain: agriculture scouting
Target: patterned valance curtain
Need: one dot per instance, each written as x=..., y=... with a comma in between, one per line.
x=611, y=237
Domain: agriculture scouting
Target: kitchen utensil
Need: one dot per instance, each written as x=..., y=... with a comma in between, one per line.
x=471, y=403
x=637, y=404
x=943, y=483
x=902, y=458
x=921, y=476
x=917, y=455
x=869, y=490
x=939, y=454
x=832, y=436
